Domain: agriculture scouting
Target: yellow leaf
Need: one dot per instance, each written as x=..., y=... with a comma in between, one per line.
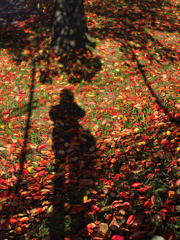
x=45, y=190
x=40, y=51
x=24, y=219
x=119, y=97
x=91, y=95
x=30, y=169
x=136, y=130
x=85, y=198
x=168, y=133
x=141, y=143
x=50, y=209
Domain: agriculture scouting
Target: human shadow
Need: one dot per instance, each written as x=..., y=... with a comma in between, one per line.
x=21, y=41
x=75, y=151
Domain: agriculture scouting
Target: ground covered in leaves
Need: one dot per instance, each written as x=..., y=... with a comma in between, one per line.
x=89, y=140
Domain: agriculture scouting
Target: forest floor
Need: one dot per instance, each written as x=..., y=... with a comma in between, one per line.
x=89, y=140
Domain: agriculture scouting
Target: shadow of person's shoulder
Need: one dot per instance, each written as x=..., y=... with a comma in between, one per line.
x=66, y=111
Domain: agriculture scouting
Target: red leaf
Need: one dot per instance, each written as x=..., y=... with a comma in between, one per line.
x=144, y=189
x=3, y=181
x=117, y=237
x=12, y=220
x=164, y=141
x=137, y=184
x=130, y=220
x=126, y=195
x=95, y=208
x=150, y=203
x=5, y=111
x=117, y=203
x=3, y=187
x=41, y=146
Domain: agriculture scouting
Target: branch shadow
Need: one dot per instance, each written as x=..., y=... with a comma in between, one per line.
x=13, y=192
x=29, y=40
x=25, y=42
x=157, y=99
x=134, y=21
x=75, y=153
x=80, y=65
x=132, y=24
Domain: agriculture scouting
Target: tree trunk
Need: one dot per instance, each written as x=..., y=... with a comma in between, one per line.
x=69, y=30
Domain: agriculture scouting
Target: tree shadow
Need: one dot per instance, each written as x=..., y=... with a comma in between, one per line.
x=14, y=11
x=80, y=65
x=24, y=39
x=157, y=99
x=27, y=42
x=133, y=21
x=153, y=11
x=75, y=152
x=132, y=24
x=150, y=13
x=13, y=192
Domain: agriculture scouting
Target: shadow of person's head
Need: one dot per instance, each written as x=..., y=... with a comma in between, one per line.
x=66, y=96
x=67, y=112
